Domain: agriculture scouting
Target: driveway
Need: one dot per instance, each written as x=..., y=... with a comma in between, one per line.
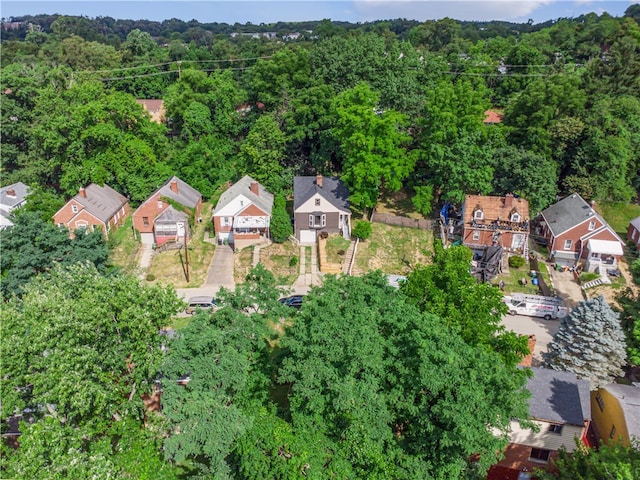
x=220, y=272
x=566, y=287
x=544, y=330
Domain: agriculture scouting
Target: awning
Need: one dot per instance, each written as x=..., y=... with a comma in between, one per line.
x=251, y=222
x=566, y=255
x=605, y=247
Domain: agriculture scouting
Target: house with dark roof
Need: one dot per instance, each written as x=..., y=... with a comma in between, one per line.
x=164, y=216
x=243, y=214
x=575, y=232
x=320, y=204
x=633, y=231
x=11, y=197
x=559, y=406
x=94, y=206
x=490, y=221
x=615, y=409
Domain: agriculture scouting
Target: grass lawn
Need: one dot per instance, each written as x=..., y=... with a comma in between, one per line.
x=243, y=263
x=618, y=215
x=394, y=250
x=307, y=258
x=512, y=281
x=123, y=248
x=397, y=203
x=277, y=257
x=336, y=247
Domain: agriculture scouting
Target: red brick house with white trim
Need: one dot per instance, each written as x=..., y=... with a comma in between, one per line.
x=158, y=221
x=94, y=206
x=575, y=232
x=633, y=231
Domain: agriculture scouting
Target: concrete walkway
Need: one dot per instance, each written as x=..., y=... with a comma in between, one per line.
x=221, y=270
x=145, y=259
x=566, y=287
x=309, y=274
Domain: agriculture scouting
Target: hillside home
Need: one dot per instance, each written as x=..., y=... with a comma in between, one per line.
x=164, y=216
x=615, y=410
x=243, y=214
x=575, y=232
x=320, y=204
x=496, y=221
x=559, y=406
x=633, y=231
x=11, y=197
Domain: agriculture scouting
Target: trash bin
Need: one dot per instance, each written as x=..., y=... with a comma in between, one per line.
x=534, y=281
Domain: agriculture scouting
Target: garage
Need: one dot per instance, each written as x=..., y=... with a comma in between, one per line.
x=307, y=236
x=147, y=238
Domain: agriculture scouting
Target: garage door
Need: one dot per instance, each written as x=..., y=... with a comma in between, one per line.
x=147, y=238
x=307, y=236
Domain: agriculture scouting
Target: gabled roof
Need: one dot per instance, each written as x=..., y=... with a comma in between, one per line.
x=635, y=223
x=20, y=191
x=187, y=195
x=629, y=398
x=568, y=213
x=495, y=207
x=264, y=199
x=333, y=190
x=101, y=202
x=151, y=104
x=558, y=397
x=171, y=215
x=491, y=116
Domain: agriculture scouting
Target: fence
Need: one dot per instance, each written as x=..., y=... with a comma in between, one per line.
x=402, y=221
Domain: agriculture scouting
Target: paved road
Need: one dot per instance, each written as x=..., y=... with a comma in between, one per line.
x=544, y=330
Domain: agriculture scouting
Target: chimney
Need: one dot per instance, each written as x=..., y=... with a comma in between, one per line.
x=11, y=193
x=82, y=192
x=508, y=200
x=254, y=189
x=319, y=181
x=174, y=186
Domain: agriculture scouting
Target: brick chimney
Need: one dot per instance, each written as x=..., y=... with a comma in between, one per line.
x=254, y=189
x=508, y=200
x=11, y=193
x=82, y=192
x=174, y=186
x=319, y=181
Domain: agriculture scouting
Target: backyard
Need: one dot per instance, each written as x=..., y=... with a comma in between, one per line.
x=124, y=250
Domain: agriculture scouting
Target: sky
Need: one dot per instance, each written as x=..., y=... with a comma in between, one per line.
x=267, y=11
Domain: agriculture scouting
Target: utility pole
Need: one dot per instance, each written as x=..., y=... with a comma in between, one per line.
x=186, y=251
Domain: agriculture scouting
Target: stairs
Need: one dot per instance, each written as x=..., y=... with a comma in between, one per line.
x=596, y=282
x=348, y=257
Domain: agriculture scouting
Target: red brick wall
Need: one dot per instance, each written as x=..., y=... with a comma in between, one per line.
x=517, y=457
x=486, y=237
x=574, y=234
x=150, y=210
x=633, y=234
x=66, y=213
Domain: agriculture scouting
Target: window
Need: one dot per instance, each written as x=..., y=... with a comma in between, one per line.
x=324, y=220
x=226, y=221
x=242, y=203
x=515, y=217
x=476, y=235
x=539, y=455
x=555, y=428
x=317, y=221
x=478, y=215
x=592, y=226
x=567, y=244
x=160, y=205
x=145, y=221
x=600, y=402
x=317, y=202
x=74, y=208
x=311, y=221
x=612, y=434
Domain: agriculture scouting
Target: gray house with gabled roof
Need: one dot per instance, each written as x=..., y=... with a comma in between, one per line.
x=242, y=216
x=11, y=197
x=320, y=204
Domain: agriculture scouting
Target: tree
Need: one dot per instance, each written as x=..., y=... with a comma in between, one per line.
x=589, y=343
x=423, y=199
x=280, y=227
x=473, y=310
x=362, y=229
x=630, y=321
x=373, y=145
x=33, y=246
x=606, y=461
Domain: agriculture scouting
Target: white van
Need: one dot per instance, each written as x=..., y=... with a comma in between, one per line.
x=536, y=306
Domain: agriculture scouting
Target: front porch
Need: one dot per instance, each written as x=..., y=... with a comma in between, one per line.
x=602, y=255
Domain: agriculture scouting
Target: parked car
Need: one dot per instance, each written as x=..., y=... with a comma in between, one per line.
x=294, y=301
x=204, y=303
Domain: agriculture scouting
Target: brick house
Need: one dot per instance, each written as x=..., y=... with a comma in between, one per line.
x=575, y=232
x=560, y=407
x=162, y=216
x=633, y=231
x=320, y=204
x=496, y=221
x=11, y=197
x=94, y=206
x=243, y=214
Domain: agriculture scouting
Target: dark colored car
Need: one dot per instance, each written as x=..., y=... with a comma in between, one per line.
x=294, y=301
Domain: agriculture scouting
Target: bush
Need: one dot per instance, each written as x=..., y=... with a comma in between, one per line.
x=516, y=262
x=588, y=276
x=635, y=270
x=293, y=261
x=151, y=277
x=280, y=222
x=362, y=230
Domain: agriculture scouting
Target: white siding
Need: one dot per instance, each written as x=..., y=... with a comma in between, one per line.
x=239, y=203
x=544, y=438
x=325, y=206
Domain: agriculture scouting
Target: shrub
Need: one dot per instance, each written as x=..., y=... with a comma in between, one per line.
x=280, y=222
x=362, y=230
x=293, y=261
x=635, y=270
x=516, y=262
x=151, y=277
x=588, y=276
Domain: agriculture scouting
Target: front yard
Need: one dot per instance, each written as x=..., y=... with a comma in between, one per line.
x=124, y=250
x=394, y=250
x=277, y=258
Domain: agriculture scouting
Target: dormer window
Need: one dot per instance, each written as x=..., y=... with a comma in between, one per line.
x=478, y=215
x=515, y=217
